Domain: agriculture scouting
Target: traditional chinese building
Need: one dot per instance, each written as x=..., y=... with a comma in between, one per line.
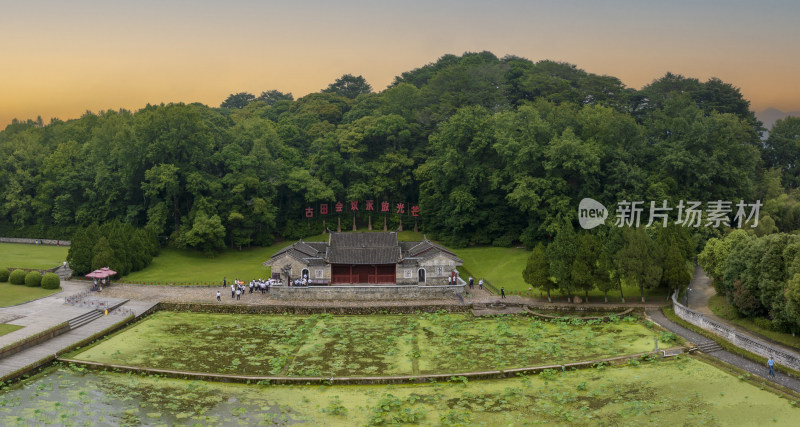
x=365, y=258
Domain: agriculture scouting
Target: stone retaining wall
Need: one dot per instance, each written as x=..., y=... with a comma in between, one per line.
x=400, y=379
x=299, y=309
x=33, y=340
x=753, y=345
x=365, y=293
x=48, y=242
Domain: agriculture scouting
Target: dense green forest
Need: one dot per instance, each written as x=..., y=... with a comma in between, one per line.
x=494, y=150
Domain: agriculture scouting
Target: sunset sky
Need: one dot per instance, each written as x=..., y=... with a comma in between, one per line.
x=60, y=59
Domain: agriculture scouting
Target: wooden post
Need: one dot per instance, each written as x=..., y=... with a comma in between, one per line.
x=369, y=223
x=384, y=224
x=354, y=222
x=400, y=228
x=339, y=224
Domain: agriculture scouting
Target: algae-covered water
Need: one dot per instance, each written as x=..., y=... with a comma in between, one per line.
x=680, y=391
x=326, y=345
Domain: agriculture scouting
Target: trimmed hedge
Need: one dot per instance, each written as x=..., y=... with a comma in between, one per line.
x=51, y=281
x=33, y=279
x=4, y=273
x=17, y=277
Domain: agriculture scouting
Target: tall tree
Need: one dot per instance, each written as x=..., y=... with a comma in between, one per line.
x=637, y=260
x=676, y=275
x=561, y=257
x=782, y=150
x=349, y=86
x=585, y=266
x=272, y=97
x=537, y=272
x=237, y=100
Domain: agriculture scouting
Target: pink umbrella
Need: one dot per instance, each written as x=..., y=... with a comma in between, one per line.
x=101, y=273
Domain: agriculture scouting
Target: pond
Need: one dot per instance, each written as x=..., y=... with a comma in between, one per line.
x=678, y=391
x=327, y=345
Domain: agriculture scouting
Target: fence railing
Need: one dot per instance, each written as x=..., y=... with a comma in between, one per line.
x=751, y=344
x=76, y=298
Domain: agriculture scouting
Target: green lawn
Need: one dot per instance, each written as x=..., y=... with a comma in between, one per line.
x=503, y=267
x=7, y=329
x=182, y=266
x=719, y=306
x=16, y=294
x=31, y=256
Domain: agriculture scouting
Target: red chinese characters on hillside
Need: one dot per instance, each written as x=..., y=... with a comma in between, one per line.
x=370, y=206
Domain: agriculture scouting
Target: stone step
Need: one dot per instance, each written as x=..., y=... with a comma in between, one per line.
x=709, y=347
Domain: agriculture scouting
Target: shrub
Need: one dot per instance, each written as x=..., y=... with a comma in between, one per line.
x=33, y=279
x=51, y=281
x=764, y=323
x=17, y=277
x=4, y=274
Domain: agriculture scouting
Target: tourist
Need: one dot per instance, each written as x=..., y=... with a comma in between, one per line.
x=224, y=283
x=238, y=294
x=233, y=291
x=502, y=292
x=218, y=297
x=480, y=284
x=771, y=364
x=471, y=282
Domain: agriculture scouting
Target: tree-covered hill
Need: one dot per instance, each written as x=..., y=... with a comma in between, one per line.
x=494, y=150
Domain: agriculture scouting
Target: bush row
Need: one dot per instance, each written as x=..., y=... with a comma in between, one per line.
x=32, y=279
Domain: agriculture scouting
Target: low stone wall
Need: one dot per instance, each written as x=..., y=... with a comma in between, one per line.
x=302, y=310
x=605, y=318
x=34, y=241
x=365, y=293
x=33, y=340
x=400, y=379
x=753, y=345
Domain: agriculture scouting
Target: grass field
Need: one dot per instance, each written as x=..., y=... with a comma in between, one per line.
x=31, y=256
x=719, y=306
x=503, y=267
x=7, y=329
x=192, y=267
x=16, y=294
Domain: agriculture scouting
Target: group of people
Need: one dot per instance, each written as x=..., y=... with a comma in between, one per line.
x=471, y=283
x=98, y=287
x=303, y=281
x=239, y=288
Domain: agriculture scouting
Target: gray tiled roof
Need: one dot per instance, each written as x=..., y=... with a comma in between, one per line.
x=363, y=248
x=363, y=240
x=363, y=255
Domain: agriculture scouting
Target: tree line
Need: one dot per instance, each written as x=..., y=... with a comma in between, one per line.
x=495, y=150
x=610, y=257
x=759, y=275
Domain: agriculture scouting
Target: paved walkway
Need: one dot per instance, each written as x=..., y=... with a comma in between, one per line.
x=701, y=292
x=44, y=313
x=41, y=314
x=759, y=370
